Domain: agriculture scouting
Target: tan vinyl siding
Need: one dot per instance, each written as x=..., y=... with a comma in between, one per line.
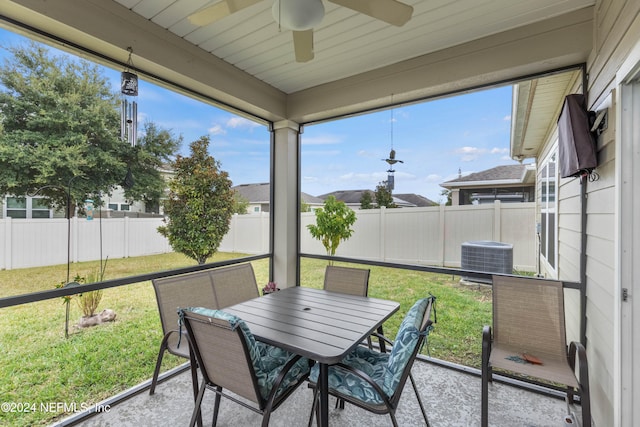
x=617, y=28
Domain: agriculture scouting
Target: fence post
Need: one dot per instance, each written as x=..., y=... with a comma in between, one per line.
x=127, y=237
x=383, y=211
x=75, y=239
x=8, y=243
x=441, y=241
x=497, y=221
x=234, y=232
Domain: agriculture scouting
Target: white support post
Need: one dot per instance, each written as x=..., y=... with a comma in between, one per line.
x=497, y=221
x=285, y=204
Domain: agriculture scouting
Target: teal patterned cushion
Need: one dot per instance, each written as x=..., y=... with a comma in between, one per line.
x=267, y=360
x=372, y=363
x=385, y=369
x=404, y=344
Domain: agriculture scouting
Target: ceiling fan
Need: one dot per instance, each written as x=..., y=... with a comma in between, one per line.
x=301, y=16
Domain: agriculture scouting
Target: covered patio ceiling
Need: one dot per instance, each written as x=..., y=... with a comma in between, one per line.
x=246, y=63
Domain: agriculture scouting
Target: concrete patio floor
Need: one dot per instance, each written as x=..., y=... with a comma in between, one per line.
x=451, y=398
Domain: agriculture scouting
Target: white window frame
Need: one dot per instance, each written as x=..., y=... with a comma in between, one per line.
x=28, y=208
x=549, y=205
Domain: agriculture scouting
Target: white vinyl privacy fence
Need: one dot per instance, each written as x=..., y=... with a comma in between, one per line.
x=424, y=236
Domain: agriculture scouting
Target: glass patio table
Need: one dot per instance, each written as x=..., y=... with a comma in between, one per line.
x=317, y=324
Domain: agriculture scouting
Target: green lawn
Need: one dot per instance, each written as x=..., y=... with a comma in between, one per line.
x=42, y=369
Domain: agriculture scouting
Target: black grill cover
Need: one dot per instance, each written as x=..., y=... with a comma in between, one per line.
x=576, y=143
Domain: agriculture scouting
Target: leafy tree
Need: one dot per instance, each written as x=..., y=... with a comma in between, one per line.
x=304, y=207
x=446, y=193
x=155, y=148
x=240, y=204
x=384, y=197
x=366, y=201
x=333, y=224
x=61, y=130
x=199, y=205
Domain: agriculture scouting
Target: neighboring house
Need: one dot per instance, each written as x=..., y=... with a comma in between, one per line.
x=416, y=199
x=115, y=205
x=259, y=196
x=352, y=199
x=26, y=207
x=507, y=183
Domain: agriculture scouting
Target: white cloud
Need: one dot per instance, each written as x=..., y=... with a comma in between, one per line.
x=216, y=129
x=469, y=154
x=434, y=178
x=241, y=123
x=507, y=118
x=496, y=150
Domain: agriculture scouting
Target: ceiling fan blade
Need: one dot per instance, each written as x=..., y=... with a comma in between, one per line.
x=219, y=10
x=390, y=11
x=303, y=45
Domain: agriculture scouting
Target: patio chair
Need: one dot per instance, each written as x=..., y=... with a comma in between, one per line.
x=373, y=380
x=347, y=280
x=529, y=339
x=350, y=281
x=233, y=284
x=230, y=358
x=185, y=290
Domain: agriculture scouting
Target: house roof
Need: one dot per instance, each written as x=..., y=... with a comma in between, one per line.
x=261, y=192
x=353, y=197
x=505, y=175
x=416, y=199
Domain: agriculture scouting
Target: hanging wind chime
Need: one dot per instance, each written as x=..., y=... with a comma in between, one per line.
x=129, y=108
x=129, y=111
x=391, y=160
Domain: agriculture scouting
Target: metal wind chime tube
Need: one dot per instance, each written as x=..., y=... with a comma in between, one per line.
x=129, y=122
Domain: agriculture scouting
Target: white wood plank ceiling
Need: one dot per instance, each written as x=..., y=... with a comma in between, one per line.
x=346, y=42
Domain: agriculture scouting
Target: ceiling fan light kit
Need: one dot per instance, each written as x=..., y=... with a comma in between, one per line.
x=298, y=15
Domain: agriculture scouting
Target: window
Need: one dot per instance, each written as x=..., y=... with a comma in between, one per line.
x=548, y=179
x=26, y=207
x=256, y=209
x=119, y=206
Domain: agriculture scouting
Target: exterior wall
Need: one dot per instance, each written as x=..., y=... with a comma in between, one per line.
x=616, y=32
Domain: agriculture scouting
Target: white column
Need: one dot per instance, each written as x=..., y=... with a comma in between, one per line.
x=455, y=197
x=285, y=204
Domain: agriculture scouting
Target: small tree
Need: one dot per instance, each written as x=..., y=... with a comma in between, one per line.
x=384, y=197
x=199, y=205
x=366, y=201
x=240, y=204
x=446, y=193
x=333, y=224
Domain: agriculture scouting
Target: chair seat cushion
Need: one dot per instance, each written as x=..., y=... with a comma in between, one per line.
x=341, y=381
x=272, y=360
x=267, y=360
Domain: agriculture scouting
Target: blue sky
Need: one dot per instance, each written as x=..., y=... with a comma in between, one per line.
x=434, y=139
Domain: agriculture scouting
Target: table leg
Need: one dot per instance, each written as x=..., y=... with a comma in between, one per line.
x=383, y=348
x=323, y=385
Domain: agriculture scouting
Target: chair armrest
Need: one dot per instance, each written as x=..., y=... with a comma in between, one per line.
x=486, y=344
x=382, y=337
x=583, y=367
x=283, y=372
